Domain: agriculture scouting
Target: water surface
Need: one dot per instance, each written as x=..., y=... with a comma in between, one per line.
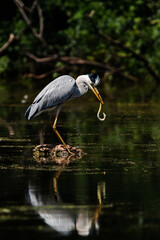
x=112, y=191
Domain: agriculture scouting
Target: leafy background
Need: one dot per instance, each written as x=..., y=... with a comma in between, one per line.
x=121, y=35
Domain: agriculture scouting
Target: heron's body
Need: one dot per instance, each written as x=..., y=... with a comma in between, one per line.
x=49, y=97
x=60, y=90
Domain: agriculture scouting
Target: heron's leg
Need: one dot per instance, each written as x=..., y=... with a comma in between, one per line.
x=55, y=178
x=56, y=131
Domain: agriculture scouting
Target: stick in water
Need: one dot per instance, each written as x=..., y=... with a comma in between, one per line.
x=99, y=110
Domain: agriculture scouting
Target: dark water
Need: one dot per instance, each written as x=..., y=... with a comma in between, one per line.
x=111, y=193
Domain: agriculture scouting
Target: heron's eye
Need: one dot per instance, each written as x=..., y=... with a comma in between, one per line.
x=84, y=85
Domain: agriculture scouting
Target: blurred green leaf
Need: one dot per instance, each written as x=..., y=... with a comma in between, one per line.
x=4, y=62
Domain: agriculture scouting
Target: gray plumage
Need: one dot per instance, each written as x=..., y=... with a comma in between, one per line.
x=60, y=90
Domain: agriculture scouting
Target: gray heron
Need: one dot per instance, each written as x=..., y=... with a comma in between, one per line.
x=59, y=91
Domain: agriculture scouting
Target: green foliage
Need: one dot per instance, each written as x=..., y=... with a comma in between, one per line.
x=3, y=93
x=68, y=29
x=4, y=62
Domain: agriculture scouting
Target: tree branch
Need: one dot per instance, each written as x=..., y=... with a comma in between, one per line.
x=72, y=61
x=41, y=25
x=8, y=43
x=28, y=21
x=127, y=49
x=33, y=6
x=41, y=60
x=79, y=61
x=41, y=76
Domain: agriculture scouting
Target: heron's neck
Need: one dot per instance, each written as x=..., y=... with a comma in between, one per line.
x=82, y=87
x=81, y=79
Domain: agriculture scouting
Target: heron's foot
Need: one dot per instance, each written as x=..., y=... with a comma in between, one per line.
x=70, y=149
x=71, y=153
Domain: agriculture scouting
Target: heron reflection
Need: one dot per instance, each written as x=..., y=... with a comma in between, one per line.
x=62, y=217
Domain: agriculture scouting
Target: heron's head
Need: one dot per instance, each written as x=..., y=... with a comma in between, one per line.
x=94, y=78
x=90, y=81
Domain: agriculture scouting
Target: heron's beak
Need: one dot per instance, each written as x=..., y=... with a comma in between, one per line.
x=95, y=91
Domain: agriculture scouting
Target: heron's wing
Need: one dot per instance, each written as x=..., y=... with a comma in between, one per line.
x=56, y=92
